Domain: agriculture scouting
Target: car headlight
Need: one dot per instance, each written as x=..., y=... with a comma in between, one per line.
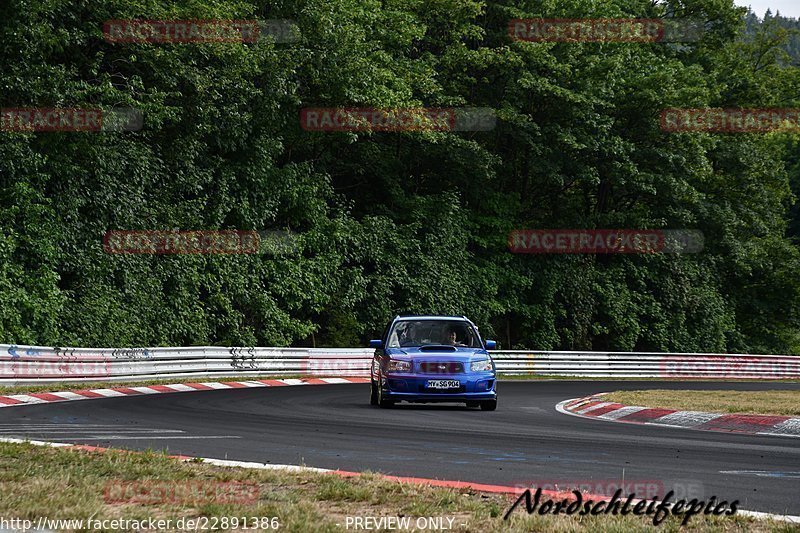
x=398, y=366
x=484, y=365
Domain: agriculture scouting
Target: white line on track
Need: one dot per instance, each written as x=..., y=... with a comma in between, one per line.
x=762, y=473
x=215, y=385
x=293, y=381
x=146, y=437
x=67, y=395
x=145, y=390
x=771, y=434
x=789, y=427
x=334, y=380
x=768, y=516
x=253, y=383
x=26, y=399
x=108, y=393
x=687, y=418
x=178, y=387
x=262, y=466
x=619, y=413
x=88, y=430
x=585, y=410
x=45, y=425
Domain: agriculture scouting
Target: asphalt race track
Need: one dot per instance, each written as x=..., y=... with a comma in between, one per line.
x=526, y=441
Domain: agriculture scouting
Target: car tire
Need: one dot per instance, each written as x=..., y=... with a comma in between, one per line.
x=489, y=405
x=373, y=394
x=473, y=404
x=384, y=402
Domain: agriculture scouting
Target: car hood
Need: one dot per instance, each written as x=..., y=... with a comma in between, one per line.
x=443, y=353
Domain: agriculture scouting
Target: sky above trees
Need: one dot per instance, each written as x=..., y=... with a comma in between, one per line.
x=787, y=8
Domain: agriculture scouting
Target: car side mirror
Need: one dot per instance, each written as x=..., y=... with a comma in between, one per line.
x=376, y=343
x=491, y=345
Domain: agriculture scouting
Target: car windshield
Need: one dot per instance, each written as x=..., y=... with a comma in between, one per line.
x=425, y=332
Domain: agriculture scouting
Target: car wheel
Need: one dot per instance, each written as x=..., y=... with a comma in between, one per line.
x=373, y=394
x=489, y=405
x=383, y=401
x=473, y=404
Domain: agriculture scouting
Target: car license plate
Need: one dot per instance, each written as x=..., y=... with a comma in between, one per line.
x=443, y=384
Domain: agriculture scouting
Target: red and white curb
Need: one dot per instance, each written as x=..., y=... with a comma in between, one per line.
x=461, y=485
x=595, y=407
x=116, y=392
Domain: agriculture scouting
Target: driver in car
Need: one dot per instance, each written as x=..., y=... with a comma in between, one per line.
x=452, y=338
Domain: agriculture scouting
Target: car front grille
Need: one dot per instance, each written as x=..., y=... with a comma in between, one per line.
x=441, y=368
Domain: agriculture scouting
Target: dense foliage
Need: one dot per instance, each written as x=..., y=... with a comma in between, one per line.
x=396, y=222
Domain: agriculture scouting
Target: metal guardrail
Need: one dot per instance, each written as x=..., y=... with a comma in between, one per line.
x=39, y=364
x=648, y=365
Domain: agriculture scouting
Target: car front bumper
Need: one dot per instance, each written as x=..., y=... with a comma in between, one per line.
x=414, y=387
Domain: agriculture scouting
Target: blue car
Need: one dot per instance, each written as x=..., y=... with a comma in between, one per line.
x=425, y=359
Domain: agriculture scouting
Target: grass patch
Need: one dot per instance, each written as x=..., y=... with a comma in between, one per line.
x=72, y=484
x=714, y=401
